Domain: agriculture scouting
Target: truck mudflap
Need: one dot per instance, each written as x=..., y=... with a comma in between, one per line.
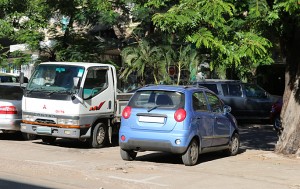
x=50, y=131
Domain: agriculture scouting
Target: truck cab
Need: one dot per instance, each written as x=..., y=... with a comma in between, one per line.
x=72, y=100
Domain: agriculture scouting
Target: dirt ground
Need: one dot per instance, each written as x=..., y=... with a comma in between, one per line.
x=70, y=164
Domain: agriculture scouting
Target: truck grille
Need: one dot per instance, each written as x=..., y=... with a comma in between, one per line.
x=45, y=121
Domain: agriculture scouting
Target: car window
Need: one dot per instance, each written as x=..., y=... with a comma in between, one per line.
x=199, y=102
x=214, y=102
x=10, y=92
x=95, y=82
x=254, y=91
x=8, y=79
x=161, y=99
x=232, y=89
x=212, y=87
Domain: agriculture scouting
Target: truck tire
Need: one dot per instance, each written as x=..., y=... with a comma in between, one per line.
x=27, y=136
x=48, y=139
x=99, y=136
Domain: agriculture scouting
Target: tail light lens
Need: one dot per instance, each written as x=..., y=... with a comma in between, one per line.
x=126, y=112
x=8, y=110
x=180, y=115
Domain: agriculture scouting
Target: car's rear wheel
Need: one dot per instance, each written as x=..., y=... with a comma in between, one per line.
x=128, y=155
x=233, y=145
x=190, y=157
x=99, y=136
x=48, y=139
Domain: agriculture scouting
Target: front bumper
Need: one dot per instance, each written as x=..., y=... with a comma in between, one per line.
x=50, y=131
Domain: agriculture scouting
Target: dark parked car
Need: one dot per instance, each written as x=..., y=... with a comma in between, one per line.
x=11, y=108
x=177, y=119
x=248, y=101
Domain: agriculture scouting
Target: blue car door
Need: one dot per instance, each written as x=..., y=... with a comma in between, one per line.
x=203, y=120
x=221, y=127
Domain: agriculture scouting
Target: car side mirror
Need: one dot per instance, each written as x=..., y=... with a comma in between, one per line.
x=226, y=109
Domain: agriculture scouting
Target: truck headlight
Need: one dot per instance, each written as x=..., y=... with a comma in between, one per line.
x=67, y=121
x=28, y=117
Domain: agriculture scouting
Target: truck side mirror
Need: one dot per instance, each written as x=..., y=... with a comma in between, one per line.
x=76, y=82
x=21, y=78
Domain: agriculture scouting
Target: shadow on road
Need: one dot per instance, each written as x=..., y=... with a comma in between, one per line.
x=6, y=184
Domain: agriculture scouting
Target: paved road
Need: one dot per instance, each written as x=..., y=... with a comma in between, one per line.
x=70, y=164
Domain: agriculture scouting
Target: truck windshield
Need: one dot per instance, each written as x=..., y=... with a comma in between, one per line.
x=54, y=78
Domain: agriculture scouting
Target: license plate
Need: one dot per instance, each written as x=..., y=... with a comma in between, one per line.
x=150, y=119
x=43, y=130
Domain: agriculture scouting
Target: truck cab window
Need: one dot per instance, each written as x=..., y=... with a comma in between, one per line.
x=95, y=83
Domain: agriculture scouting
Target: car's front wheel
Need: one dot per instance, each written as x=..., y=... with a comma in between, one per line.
x=190, y=157
x=233, y=145
x=128, y=155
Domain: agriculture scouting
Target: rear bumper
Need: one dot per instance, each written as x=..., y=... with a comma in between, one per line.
x=50, y=131
x=146, y=145
x=10, y=124
x=154, y=141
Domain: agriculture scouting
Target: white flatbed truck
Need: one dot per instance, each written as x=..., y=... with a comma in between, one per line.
x=74, y=100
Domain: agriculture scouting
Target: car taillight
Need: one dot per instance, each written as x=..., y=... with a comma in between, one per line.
x=126, y=112
x=180, y=115
x=8, y=110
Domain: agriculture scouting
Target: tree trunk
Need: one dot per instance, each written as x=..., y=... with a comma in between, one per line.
x=289, y=141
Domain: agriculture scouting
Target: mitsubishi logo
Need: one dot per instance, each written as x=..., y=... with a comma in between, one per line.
x=44, y=107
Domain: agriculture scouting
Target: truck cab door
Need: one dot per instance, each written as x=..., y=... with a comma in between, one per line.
x=98, y=90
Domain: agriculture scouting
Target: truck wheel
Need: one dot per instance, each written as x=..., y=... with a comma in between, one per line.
x=27, y=136
x=48, y=139
x=128, y=155
x=99, y=136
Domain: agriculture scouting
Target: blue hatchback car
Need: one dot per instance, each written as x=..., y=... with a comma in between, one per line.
x=178, y=119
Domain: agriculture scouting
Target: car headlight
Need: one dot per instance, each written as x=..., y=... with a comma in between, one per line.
x=67, y=121
x=28, y=117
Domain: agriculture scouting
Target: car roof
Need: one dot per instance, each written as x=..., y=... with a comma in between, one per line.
x=179, y=88
x=218, y=81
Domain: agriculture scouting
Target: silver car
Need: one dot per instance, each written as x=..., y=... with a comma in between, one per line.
x=11, y=108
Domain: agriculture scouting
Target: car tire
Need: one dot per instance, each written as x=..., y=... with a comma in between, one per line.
x=48, y=139
x=234, y=145
x=27, y=136
x=190, y=157
x=99, y=136
x=128, y=155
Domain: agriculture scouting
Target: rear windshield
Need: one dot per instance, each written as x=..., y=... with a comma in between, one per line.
x=159, y=99
x=10, y=92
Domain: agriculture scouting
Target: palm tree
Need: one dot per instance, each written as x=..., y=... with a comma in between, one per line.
x=144, y=57
x=188, y=58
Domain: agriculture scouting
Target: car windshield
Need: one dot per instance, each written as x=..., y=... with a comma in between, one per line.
x=54, y=78
x=151, y=99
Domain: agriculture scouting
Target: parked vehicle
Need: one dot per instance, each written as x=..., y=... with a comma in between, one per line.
x=73, y=100
x=275, y=116
x=177, y=119
x=5, y=77
x=11, y=108
x=248, y=101
x=11, y=78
